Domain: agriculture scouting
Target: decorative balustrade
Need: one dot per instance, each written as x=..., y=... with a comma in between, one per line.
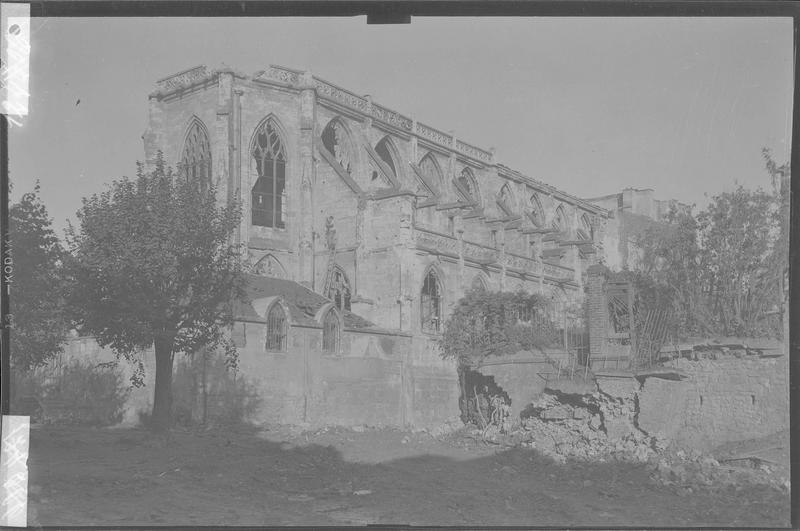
x=340, y=95
x=279, y=73
x=434, y=135
x=521, y=263
x=183, y=79
x=433, y=240
x=474, y=152
x=391, y=117
x=557, y=271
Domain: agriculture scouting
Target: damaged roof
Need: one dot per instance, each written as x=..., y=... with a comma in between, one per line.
x=303, y=303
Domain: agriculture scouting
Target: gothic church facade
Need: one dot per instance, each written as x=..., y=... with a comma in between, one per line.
x=384, y=216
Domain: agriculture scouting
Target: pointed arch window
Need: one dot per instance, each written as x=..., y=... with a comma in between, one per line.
x=331, y=332
x=479, y=283
x=269, y=266
x=339, y=290
x=277, y=328
x=430, y=169
x=269, y=193
x=196, y=157
x=382, y=149
x=337, y=142
x=467, y=182
x=536, y=214
x=585, y=232
x=559, y=220
x=431, y=303
x=506, y=197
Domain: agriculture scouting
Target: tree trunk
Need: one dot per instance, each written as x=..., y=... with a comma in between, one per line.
x=162, y=401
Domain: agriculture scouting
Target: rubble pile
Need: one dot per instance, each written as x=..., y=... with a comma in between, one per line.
x=578, y=431
x=602, y=428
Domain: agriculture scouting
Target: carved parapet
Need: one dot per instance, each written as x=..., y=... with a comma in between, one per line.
x=434, y=135
x=391, y=117
x=474, y=152
x=183, y=79
x=281, y=74
x=331, y=92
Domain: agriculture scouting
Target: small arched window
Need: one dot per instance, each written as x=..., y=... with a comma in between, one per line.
x=431, y=303
x=339, y=290
x=269, y=193
x=277, y=329
x=330, y=332
x=196, y=158
x=337, y=142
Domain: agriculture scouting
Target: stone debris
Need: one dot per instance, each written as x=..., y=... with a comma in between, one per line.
x=602, y=428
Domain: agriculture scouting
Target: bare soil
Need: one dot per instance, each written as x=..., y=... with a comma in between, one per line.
x=244, y=476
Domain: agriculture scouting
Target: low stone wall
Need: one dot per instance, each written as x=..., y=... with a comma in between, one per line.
x=701, y=404
x=376, y=380
x=723, y=400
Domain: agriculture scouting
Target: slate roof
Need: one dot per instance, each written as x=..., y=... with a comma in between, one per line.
x=303, y=303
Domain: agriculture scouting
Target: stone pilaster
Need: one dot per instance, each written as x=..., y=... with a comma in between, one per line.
x=304, y=220
x=413, y=145
x=597, y=308
x=225, y=149
x=153, y=137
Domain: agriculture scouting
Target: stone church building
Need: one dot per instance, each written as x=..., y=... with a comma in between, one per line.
x=363, y=228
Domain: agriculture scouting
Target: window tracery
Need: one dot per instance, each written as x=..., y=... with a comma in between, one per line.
x=196, y=158
x=268, y=196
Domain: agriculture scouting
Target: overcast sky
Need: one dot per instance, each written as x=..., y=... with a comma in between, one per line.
x=590, y=105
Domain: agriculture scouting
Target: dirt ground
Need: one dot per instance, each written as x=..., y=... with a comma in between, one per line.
x=116, y=477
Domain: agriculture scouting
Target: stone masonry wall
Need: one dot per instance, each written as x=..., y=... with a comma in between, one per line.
x=723, y=400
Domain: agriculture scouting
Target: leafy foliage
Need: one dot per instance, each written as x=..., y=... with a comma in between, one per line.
x=153, y=264
x=486, y=323
x=722, y=271
x=38, y=286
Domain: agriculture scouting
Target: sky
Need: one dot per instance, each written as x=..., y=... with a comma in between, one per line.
x=589, y=105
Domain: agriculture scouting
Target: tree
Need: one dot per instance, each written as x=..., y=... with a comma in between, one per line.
x=153, y=265
x=725, y=269
x=37, y=288
x=669, y=265
x=738, y=233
